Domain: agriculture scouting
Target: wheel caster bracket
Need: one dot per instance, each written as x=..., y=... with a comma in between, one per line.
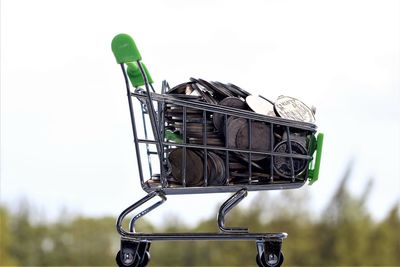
x=133, y=253
x=269, y=253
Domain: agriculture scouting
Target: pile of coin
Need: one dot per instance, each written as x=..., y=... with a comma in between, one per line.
x=196, y=166
x=192, y=173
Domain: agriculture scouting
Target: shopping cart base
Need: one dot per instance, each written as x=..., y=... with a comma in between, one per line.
x=135, y=246
x=136, y=253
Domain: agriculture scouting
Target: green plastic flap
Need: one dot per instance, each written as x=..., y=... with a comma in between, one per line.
x=173, y=137
x=314, y=173
x=124, y=49
x=135, y=75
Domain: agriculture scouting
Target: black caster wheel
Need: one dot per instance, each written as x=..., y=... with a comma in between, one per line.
x=127, y=259
x=270, y=260
x=145, y=260
x=134, y=255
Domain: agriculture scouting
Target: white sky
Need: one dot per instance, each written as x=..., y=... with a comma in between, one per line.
x=66, y=140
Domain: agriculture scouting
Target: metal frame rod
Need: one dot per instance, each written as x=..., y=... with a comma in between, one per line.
x=133, y=123
x=134, y=206
x=226, y=207
x=204, y=236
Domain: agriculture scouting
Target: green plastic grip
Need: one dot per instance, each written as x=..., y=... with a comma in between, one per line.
x=313, y=173
x=135, y=75
x=124, y=49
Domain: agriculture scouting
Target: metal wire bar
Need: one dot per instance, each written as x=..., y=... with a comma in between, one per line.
x=226, y=207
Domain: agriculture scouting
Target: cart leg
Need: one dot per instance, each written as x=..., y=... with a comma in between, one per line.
x=135, y=253
x=226, y=207
x=134, y=206
x=269, y=253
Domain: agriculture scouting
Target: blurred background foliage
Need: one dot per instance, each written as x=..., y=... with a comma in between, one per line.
x=344, y=235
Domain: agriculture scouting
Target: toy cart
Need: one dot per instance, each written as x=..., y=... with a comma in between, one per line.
x=286, y=163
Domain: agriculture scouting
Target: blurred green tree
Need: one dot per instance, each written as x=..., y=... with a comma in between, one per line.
x=345, y=235
x=6, y=240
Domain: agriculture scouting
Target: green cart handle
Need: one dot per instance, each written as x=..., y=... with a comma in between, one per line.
x=124, y=49
x=135, y=75
x=314, y=172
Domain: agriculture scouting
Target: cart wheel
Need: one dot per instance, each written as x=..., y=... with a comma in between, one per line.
x=134, y=254
x=128, y=259
x=272, y=260
x=145, y=260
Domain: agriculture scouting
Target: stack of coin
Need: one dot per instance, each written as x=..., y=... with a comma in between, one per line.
x=220, y=130
x=194, y=167
x=196, y=123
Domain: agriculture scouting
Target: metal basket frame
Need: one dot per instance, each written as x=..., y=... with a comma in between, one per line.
x=147, y=98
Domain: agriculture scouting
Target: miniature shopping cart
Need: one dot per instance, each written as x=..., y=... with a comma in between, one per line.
x=287, y=163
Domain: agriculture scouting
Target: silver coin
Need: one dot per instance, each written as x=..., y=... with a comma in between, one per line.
x=291, y=108
x=260, y=105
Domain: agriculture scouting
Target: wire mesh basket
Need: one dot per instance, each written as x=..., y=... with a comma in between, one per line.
x=254, y=151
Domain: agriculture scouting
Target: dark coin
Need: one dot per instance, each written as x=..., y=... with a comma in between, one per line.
x=222, y=87
x=194, y=127
x=299, y=137
x=205, y=95
x=237, y=166
x=215, y=93
x=239, y=178
x=209, y=135
x=209, y=141
x=171, y=108
x=282, y=164
x=217, y=170
x=194, y=166
x=218, y=118
x=233, y=90
x=187, y=97
x=233, y=126
x=243, y=92
x=222, y=93
x=260, y=138
x=221, y=90
x=293, y=109
x=193, y=119
x=244, y=159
